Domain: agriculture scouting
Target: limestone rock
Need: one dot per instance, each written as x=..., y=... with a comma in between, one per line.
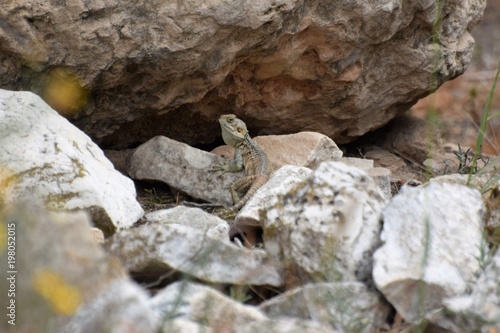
x=326, y=227
x=182, y=167
x=432, y=241
x=480, y=310
x=280, y=182
x=44, y=157
x=62, y=280
x=170, y=68
x=194, y=218
x=304, y=149
x=347, y=306
x=157, y=249
x=203, y=305
x=381, y=176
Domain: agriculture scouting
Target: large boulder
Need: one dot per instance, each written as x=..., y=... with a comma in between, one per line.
x=341, y=68
x=44, y=157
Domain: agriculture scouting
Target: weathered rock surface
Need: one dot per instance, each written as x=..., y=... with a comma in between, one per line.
x=157, y=249
x=189, y=169
x=281, y=182
x=326, y=227
x=182, y=167
x=44, y=157
x=347, y=306
x=480, y=310
x=202, y=305
x=381, y=176
x=432, y=241
x=61, y=279
x=170, y=68
x=194, y=218
x=305, y=149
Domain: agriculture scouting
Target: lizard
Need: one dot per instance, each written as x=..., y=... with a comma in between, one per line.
x=248, y=156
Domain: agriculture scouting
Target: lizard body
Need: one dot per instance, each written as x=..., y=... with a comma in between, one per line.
x=248, y=156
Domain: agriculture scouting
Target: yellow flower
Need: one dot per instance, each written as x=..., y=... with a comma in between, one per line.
x=63, y=298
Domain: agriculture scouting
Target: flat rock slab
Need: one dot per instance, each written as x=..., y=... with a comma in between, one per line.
x=432, y=241
x=182, y=167
x=163, y=248
x=194, y=218
x=44, y=157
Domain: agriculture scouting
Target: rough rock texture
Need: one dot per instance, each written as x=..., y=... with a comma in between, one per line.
x=432, y=247
x=282, y=181
x=158, y=249
x=326, y=227
x=170, y=68
x=192, y=217
x=347, y=306
x=44, y=157
x=182, y=167
x=62, y=280
x=480, y=310
x=204, y=305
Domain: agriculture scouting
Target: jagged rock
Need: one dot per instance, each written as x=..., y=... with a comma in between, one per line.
x=326, y=227
x=44, y=157
x=203, y=305
x=478, y=311
x=304, y=149
x=62, y=280
x=347, y=306
x=432, y=241
x=157, y=249
x=381, y=176
x=189, y=169
x=169, y=68
x=192, y=217
x=282, y=181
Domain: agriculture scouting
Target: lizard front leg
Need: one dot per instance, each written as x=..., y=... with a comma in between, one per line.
x=239, y=186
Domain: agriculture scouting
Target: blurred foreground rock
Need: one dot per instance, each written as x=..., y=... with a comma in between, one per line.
x=44, y=158
x=62, y=281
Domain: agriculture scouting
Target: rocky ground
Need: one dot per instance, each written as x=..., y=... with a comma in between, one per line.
x=387, y=233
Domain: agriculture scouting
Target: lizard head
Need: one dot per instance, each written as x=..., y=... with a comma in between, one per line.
x=234, y=129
